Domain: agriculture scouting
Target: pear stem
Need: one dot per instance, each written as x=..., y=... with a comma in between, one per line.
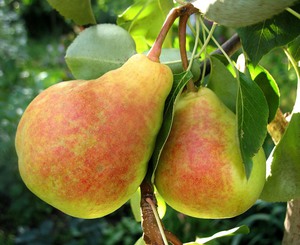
x=155, y=51
x=182, y=47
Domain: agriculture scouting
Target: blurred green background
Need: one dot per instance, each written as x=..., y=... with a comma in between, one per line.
x=33, y=41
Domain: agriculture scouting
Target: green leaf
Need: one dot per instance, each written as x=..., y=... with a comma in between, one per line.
x=223, y=83
x=144, y=19
x=259, y=39
x=252, y=116
x=294, y=48
x=283, y=181
x=283, y=172
x=80, y=11
x=180, y=81
x=140, y=241
x=268, y=86
x=271, y=93
x=232, y=232
x=98, y=49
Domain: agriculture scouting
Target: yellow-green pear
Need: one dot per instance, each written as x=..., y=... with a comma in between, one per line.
x=83, y=145
x=200, y=172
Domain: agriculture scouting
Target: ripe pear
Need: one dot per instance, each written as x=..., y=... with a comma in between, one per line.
x=83, y=145
x=240, y=13
x=200, y=172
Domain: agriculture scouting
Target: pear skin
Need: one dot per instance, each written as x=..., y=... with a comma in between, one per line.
x=200, y=172
x=83, y=145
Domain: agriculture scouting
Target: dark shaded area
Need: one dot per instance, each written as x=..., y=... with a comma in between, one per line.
x=41, y=20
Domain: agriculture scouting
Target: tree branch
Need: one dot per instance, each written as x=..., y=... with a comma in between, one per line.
x=150, y=227
x=292, y=223
x=231, y=46
x=152, y=234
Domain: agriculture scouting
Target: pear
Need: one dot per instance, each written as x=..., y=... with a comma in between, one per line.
x=200, y=172
x=83, y=145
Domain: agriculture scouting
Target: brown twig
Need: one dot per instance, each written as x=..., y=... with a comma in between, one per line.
x=292, y=223
x=182, y=40
x=152, y=234
x=182, y=45
x=231, y=46
x=155, y=50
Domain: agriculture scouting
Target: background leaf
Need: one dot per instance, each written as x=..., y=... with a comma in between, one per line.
x=252, y=114
x=144, y=19
x=171, y=57
x=294, y=48
x=79, y=11
x=259, y=39
x=180, y=81
x=283, y=181
x=98, y=50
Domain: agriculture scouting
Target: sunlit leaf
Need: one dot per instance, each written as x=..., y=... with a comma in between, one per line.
x=161, y=205
x=253, y=113
x=140, y=241
x=283, y=181
x=144, y=19
x=283, y=172
x=232, y=232
x=98, y=49
x=259, y=39
x=80, y=11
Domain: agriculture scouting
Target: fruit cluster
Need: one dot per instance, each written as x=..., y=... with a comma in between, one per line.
x=84, y=145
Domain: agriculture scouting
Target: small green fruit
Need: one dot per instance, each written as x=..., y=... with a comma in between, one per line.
x=200, y=172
